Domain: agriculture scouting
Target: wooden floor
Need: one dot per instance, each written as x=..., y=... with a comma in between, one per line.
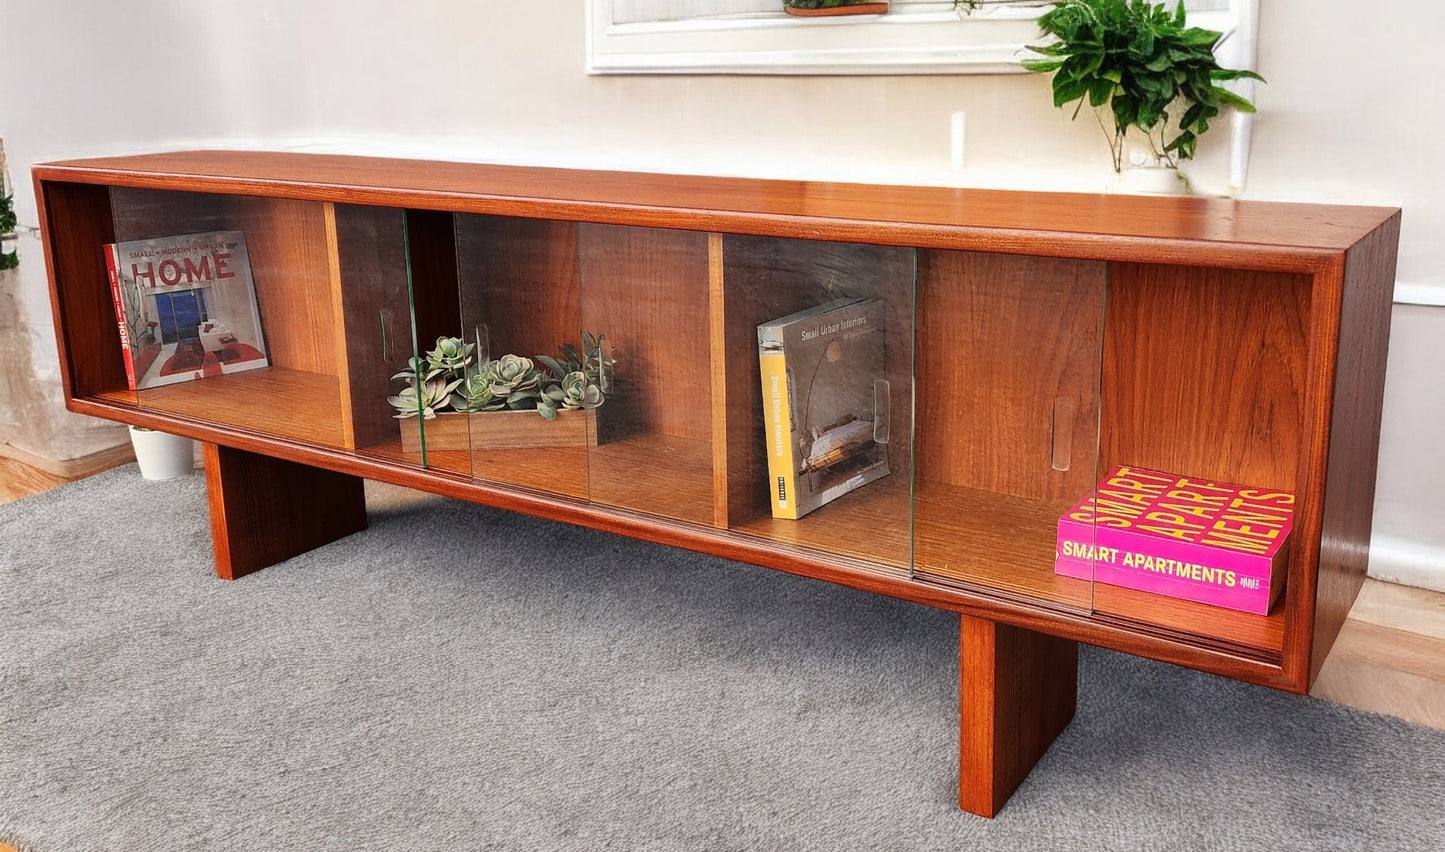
x=1389, y=658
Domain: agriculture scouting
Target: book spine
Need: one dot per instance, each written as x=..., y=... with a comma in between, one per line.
x=112, y=268
x=1257, y=599
x=782, y=468
x=1126, y=548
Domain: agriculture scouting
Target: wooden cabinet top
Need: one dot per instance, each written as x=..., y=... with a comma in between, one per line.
x=1217, y=232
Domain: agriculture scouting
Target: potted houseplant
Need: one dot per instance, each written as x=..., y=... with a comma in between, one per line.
x=834, y=7
x=1153, y=81
x=11, y=258
x=468, y=401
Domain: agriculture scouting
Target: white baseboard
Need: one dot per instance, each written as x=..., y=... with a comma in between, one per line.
x=1407, y=562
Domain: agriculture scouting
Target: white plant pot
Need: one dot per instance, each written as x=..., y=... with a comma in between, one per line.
x=162, y=456
x=1150, y=180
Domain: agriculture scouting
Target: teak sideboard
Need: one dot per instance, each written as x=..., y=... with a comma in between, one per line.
x=1032, y=341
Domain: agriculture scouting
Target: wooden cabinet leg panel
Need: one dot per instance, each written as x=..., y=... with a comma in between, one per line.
x=266, y=510
x=1018, y=690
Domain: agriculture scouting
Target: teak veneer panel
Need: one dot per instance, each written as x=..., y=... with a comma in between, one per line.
x=1301, y=237
x=647, y=290
x=1018, y=691
x=868, y=525
x=1366, y=284
x=1003, y=343
x=269, y=401
x=519, y=279
x=266, y=510
x=1233, y=387
x=663, y=475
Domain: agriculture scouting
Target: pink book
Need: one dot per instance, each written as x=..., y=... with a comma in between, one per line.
x=1189, y=538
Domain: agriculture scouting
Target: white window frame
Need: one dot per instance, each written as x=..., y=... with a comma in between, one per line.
x=923, y=38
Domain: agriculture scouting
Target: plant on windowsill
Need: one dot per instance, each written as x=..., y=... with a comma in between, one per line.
x=1147, y=76
x=834, y=7
x=8, y=259
x=468, y=402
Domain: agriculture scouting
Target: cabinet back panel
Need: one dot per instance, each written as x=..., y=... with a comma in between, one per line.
x=1204, y=373
x=647, y=290
x=1004, y=342
x=291, y=264
x=433, y=253
x=519, y=278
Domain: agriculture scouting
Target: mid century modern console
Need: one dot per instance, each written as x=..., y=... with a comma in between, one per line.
x=1032, y=341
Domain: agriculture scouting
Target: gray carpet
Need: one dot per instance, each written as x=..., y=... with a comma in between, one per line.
x=460, y=678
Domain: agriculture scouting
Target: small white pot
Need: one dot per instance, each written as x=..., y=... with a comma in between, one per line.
x=162, y=456
x=1150, y=180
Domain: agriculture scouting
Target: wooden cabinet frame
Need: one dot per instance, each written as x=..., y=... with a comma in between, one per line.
x=1244, y=341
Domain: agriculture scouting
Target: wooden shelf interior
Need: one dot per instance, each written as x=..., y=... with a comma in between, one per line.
x=762, y=279
x=1007, y=394
x=290, y=261
x=1025, y=396
x=1220, y=350
x=1021, y=392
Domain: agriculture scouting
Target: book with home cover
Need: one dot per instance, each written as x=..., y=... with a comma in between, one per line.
x=1181, y=536
x=186, y=307
x=824, y=414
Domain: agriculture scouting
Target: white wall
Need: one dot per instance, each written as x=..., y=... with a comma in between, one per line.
x=1346, y=117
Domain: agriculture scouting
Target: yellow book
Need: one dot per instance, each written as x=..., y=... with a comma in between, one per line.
x=826, y=429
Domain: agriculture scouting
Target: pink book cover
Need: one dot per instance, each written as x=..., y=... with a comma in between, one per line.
x=1185, y=537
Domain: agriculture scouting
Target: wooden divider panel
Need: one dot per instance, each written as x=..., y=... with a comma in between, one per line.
x=374, y=338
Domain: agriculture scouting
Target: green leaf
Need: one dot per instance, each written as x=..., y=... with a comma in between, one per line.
x=1228, y=98
x=1068, y=91
x=1099, y=92
x=1041, y=66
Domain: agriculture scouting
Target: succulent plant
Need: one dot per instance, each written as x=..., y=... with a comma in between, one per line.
x=416, y=368
x=592, y=360
x=447, y=380
x=574, y=393
x=425, y=398
x=451, y=355
x=579, y=393
x=512, y=373
x=475, y=393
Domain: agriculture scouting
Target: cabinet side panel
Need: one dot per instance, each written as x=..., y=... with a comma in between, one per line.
x=1354, y=433
x=1004, y=344
x=1204, y=373
x=77, y=223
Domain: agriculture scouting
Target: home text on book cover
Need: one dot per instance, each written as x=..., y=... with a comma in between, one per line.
x=186, y=307
x=1185, y=537
x=826, y=428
